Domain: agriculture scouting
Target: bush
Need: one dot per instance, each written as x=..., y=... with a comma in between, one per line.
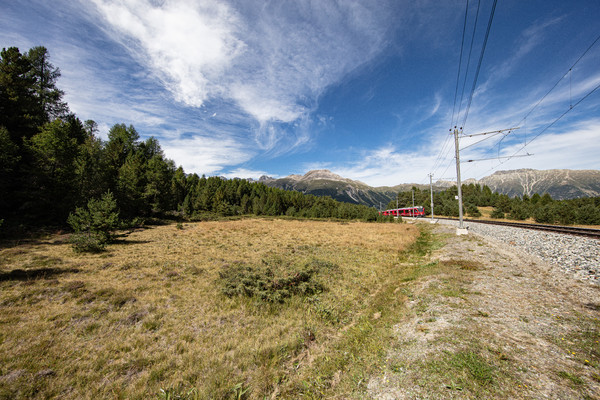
x=497, y=213
x=519, y=212
x=588, y=215
x=473, y=211
x=565, y=213
x=272, y=282
x=94, y=225
x=544, y=215
x=87, y=242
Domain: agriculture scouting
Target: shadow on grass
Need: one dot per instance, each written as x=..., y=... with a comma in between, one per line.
x=58, y=240
x=38, y=273
x=128, y=241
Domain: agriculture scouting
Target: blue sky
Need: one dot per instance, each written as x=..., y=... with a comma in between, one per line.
x=363, y=88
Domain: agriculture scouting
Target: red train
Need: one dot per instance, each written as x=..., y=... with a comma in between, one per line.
x=405, y=212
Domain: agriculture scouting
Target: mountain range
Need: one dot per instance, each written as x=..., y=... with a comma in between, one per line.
x=559, y=183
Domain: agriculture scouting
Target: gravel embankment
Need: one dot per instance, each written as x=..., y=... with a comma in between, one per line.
x=576, y=255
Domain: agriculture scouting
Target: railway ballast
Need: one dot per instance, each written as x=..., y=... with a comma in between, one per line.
x=576, y=255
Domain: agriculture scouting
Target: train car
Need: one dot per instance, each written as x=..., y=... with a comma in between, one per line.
x=417, y=211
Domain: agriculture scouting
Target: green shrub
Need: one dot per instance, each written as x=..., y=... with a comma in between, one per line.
x=497, y=213
x=473, y=211
x=544, y=215
x=588, y=215
x=565, y=213
x=89, y=242
x=519, y=212
x=94, y=225
x=272, y=282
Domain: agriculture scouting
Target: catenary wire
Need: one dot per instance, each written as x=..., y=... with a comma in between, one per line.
x=487, y=34
x=469, y=59
x=546, y=128
x=462, y=44
x=544, y=97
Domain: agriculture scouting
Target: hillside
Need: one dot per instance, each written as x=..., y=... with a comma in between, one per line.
x=559, y=183
x=326, y=183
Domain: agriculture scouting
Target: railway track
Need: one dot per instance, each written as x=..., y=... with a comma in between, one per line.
x=570, y=230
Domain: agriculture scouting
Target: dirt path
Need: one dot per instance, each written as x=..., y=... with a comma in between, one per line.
x=489, y=322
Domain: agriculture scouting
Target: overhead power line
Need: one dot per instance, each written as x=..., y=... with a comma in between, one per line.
x=462, y=93
x=571, y=106
x=492, y=133
x=487, y=34
x=561, y=78
x=557, y=119
x=462, y=43
x=497, y=158
x=514, y=155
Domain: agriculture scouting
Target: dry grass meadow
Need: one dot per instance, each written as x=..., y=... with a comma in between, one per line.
x=148, y=318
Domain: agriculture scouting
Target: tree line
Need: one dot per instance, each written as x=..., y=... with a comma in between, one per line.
x=541, y=208
x=52, y=163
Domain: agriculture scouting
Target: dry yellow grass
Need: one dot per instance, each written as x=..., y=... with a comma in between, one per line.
x=149, y=314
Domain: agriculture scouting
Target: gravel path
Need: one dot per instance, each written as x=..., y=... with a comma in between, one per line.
x=576, y=255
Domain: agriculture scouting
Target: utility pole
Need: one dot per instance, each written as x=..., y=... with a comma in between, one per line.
x=431, y=189
x=412, y=211
x=461, y=230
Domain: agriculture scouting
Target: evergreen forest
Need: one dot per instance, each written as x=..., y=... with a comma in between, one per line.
x=52, y=165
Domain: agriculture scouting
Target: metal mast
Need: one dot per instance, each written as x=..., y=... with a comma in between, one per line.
x=461, y=230
x=431, y=189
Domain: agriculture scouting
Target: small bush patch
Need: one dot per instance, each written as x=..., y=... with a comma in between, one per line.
x=87, y=242
x=274, y=281
x=94, y=225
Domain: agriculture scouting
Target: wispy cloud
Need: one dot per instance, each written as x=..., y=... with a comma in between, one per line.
x=187, y=44
x=246, y=173
x=272, y=61
x=387, y=166
x=532, y=37
x=208, y=155
x=568, y=148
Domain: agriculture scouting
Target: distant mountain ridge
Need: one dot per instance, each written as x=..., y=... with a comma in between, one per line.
x=326, y=183
x=559, y=183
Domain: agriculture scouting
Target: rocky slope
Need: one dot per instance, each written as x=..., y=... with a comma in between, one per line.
x=559, y=183
x=326, y=183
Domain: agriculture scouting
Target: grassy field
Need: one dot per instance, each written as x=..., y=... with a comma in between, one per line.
x=176, y=312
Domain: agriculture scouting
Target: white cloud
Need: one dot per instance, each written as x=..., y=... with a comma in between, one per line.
x=387, y=166
x=205, y=155
x=576, y=148
x=272, y=60
x=188, y=44
x=531, y=38
x=247, y=173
